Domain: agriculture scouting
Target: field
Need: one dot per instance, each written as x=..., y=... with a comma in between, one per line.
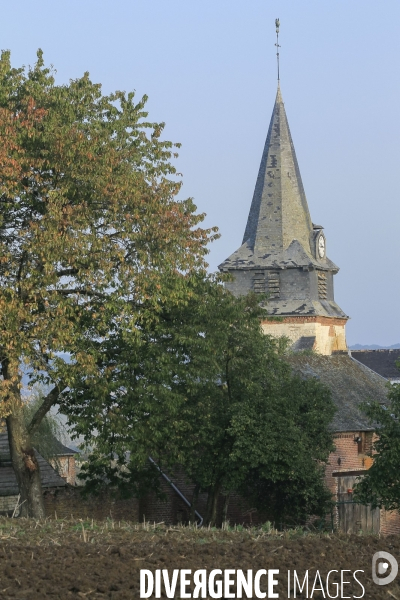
x=75, y=559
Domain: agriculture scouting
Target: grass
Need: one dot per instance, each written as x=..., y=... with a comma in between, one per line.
x=65, y=531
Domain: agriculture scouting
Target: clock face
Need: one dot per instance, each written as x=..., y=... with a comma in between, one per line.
x=321, y=246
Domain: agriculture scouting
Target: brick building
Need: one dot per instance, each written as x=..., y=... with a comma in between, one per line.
x=64, y=462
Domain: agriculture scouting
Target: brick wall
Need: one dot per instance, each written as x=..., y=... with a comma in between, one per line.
x=8, y=504
x=347, y=457
x=390, y=522
x=329, y=333
x=351, y=456
x=174, y=510
x=67, y=502
x=66, y=468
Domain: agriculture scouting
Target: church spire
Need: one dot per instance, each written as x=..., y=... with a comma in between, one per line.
x=279, y=212
x=283, y=254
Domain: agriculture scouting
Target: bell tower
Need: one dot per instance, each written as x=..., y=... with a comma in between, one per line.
x=283, y=254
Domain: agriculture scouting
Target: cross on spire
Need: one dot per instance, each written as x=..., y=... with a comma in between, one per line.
x=277, y=43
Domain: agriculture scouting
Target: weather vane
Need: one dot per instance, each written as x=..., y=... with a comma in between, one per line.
x=277, y=43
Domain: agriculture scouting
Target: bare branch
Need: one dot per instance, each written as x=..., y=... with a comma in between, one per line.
x=49, y=401
x=82, y=291
x=65, y=272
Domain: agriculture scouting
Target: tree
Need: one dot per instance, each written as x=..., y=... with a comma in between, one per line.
x=92, y=239
x=47, y=437
x=380, y=486
x=220, y=401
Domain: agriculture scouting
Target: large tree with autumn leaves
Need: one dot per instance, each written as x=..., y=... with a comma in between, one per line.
x=93, y=240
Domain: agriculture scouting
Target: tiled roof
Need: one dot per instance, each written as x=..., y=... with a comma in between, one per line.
x=350, y=383
x=8, y=481
x=62, y=450
x=294, y=256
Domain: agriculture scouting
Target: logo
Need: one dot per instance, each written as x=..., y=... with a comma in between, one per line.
x=381, y=561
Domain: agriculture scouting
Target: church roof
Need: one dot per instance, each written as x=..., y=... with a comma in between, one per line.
x=279, y=232
x=292, y=257
x=350, y=383
x=304, y=307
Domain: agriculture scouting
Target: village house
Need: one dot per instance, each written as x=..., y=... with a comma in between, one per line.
x=9, y=493
x=62, y=499
x=64, y=462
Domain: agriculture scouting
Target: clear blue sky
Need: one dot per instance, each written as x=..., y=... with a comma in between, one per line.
x=209, y=70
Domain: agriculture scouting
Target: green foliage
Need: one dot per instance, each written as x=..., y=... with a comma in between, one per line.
x=104, y=295
x=93, y=239
x=290, y=502
x=91, y=232
x=207, y=390
x=380, y=486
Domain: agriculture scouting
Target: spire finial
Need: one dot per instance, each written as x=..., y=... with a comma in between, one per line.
x=277, y=44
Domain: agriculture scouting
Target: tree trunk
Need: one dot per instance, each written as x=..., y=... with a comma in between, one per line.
x=212, y=504
x=25, y=465
x=225, y=508
x=196, y=492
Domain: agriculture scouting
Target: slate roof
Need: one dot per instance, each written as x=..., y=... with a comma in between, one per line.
x=279, y=231
x=350, y=383
x=8, y=481
x=303, y=307
x=380, y=361
x=62, y=450
x=280, y=235
x=293, y=257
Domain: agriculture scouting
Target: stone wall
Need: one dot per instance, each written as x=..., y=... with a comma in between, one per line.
x=329, y=333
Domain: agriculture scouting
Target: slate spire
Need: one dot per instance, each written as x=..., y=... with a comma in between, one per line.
x=279, y=212
x=283, y=254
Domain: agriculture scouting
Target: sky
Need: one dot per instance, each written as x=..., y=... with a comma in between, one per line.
x=209, y=70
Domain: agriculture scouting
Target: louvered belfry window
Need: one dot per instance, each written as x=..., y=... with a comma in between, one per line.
x=267, y=283
x=259, y=282
x=322, y=285
x=273, y=285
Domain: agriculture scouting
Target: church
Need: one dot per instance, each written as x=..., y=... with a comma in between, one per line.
x=284, y=256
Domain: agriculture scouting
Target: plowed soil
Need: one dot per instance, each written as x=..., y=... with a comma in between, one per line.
x=87, y=560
